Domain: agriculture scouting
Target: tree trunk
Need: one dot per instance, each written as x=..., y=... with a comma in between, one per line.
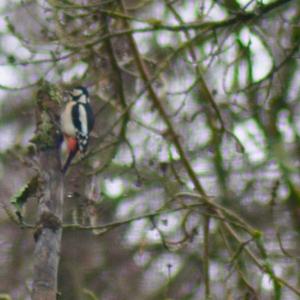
x=49, y=231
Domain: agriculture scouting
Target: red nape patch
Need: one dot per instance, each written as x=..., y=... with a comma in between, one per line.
x=71, y=143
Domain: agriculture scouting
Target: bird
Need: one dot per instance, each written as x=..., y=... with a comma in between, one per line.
x=76, y=122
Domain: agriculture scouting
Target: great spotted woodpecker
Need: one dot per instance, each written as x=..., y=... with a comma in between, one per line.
x=77, y=121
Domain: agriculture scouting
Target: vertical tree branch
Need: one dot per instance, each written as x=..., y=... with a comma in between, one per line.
x=48, y=233
x=206, y=256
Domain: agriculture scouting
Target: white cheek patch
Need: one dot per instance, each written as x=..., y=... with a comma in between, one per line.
x=76, y=92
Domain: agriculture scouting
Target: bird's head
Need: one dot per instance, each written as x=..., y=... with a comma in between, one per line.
x=80, y=94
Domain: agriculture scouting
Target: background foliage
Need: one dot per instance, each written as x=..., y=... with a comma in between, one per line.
x=191, y=185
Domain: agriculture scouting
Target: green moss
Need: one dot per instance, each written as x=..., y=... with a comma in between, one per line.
x=49, y=98
x=56, y=93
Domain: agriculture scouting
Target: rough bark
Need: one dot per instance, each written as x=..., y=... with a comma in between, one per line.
x=48, y=233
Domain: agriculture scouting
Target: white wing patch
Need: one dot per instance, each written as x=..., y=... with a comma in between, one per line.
x=82, y=136
x=83, y=120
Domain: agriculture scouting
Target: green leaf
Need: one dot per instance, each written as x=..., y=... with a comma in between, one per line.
x=154, y=22
x=20, y=198
x=11, y=59
x=5, y=297
x=11, y=28
x=261, y=247
x=90, y=295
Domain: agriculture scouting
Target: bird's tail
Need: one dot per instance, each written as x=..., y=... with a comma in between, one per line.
x=72, y=147
x=69, y=160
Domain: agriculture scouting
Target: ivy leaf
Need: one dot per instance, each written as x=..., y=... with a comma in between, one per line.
x=20, y=198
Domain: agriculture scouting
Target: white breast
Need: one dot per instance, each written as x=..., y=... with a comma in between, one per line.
x=67, y=126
